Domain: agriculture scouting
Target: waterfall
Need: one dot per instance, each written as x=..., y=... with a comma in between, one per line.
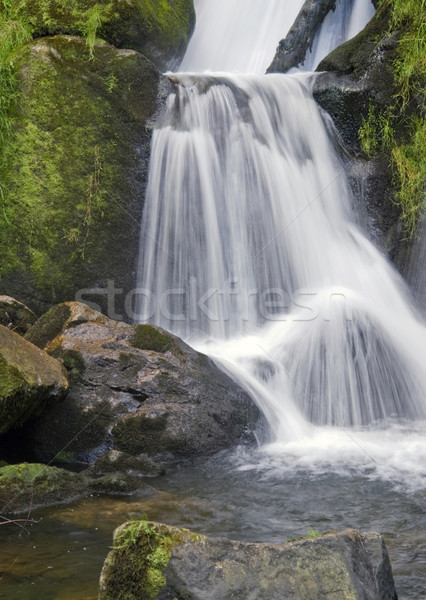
x=249, y=251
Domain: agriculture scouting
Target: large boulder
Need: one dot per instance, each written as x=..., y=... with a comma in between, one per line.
x=30, y=380
x=151, y=560
x=133, y=388
x=159, y=30
x=76, y=171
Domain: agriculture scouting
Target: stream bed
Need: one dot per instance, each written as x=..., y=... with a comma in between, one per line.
x=249, y=495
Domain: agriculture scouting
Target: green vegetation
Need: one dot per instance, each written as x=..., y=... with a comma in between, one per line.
x=399, y=130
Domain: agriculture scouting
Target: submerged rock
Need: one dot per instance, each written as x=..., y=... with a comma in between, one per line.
x=135, y=389
x=15, y=316
x=30, y=380
x=151, y=560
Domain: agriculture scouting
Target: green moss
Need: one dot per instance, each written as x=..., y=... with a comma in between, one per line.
x=135, y=569
x=138, y=434
x=10, y=380
x=147, y=337
x=398, y=130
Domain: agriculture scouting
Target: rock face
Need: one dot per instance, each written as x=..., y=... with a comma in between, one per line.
x=292, y=50
x=135, y=389
x=156, y=561
x=77, y=171
x=16, y=316
x=30, y=380
x=76, y=125
x=351, y=77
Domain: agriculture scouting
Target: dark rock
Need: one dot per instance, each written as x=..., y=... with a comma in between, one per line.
x=357, y=73
x=15, y=316
x=161, y=402
x=151, y=560
x=81, y=136
x=292, y=50
x=30, y=380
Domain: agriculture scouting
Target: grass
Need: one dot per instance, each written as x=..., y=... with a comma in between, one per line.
x=399, y=131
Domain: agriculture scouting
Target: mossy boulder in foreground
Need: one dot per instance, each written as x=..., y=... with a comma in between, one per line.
x=154, y=561
x=29, y=379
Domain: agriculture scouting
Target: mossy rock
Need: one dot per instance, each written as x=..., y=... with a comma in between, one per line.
x=29, y=485
x=77, y=168
x=29, y=380
x=148, y=337
x=154, y=561
x=15, y=315
x=159, y=29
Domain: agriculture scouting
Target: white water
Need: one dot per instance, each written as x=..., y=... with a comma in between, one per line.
x=238, y=35
x=249, y=252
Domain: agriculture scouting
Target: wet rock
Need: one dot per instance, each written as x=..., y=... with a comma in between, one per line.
x=357, y=73
x=26, y=486
x=15, y=316
x=135, y=389
x=30, y=380
x=292, y=50
x=152, y=560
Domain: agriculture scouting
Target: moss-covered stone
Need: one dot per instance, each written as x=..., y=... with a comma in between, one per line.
x=29, y=485
x=15, y=315
x=76, y=171
x=152, y=560
x=148, y=337
x=159, y=29
x=29, y=378
x=141, y=553
x=138, y=434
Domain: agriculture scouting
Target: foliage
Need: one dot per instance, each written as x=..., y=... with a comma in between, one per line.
x=399, y=131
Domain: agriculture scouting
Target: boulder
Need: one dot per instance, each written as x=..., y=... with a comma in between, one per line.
x=159, y=30
x=151, y=560
x=16, y=316
x=133, y=388
x=76, y=170
x=30, y=380
x=26, y=486
x=292, y=50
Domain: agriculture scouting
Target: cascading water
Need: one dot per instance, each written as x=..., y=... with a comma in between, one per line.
x=249, y=252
